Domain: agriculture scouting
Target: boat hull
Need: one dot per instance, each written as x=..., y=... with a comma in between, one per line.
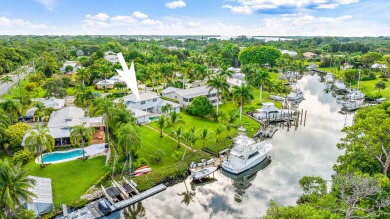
x=235, y=171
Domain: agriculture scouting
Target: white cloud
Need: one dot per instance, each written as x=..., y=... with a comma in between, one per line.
x=123, y=19
x=98, y=17
x=250, y=6
x=193, y=24
x=139, y=15
x=175, y=4
x=7, y=22
x=150, y=22
x=49, y=4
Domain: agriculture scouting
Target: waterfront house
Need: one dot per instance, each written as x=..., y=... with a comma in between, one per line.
x=148, y=107
x=185, y=96
x=309, y=55
x=63, y=120
x=111, y=57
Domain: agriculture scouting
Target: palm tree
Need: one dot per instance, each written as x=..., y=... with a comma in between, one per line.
x=178, y=135
x=5, y=80
x=261, y=78
x=218, y=132
x=134, y=211
x=167, y=108
x=14, y=186
x=187, y=138
x=39, y=140
x=121, y=116
x=161, y=122
x=129, y=139
x=242, y=95
x=380, y=85
x=4, y=123
x=187, y=195
x=175, y=118
x=11, y=108
x=83, y=75
x=105, y=107
x=218, y=82
x=104, y=71
x=229, y=127
x=226, y=72
x=81, y=133
x=204, y=135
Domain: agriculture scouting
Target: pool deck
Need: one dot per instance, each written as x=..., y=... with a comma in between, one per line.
x=91, y=151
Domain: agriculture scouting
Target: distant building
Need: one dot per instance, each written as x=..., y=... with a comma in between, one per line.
x=185, y=96
x=51, y=102
x=309, y=55
x=109, y=84
x=111, y=57
x=378, y=66
x=75, y=65
x=290, y=53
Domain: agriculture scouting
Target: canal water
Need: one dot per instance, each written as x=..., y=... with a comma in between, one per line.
x=308, y=150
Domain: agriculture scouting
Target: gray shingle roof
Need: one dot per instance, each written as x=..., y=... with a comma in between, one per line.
x=196, y=91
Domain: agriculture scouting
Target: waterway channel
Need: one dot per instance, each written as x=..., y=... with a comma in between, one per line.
x=307, y=150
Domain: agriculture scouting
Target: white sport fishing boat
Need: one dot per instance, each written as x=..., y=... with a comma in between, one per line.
x=198, y=175
x=269, y=112
x=355, y=95
x=296, y=94
x=246, y=153
x=353, y=104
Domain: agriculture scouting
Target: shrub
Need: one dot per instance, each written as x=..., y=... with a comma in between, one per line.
x=196, y=157
x=31, y=86
x=25, y=214
x=200, y=106
x=373, y=96
x=371, y=76
x=78, y=204
x=162, y=175
x=219, y=146
x=140, y=162
x=156, y=156
x=169, y=99
x=50, y=215
x=14, y=134
x=22, y=156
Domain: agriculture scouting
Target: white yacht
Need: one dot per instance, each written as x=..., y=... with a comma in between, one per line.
x=312, y=66
x=296, y=94
x=339, y=86
x=329, y=78
x=353, y=104
x=270, y=112
x=246, y=153
x=355, y=95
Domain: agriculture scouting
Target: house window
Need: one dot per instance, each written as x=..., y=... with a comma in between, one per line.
x=155, y=99
x=142, y=102
x=175, y=97
x=185, y=99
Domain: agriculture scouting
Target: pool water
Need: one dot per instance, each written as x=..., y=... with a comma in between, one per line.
x=57, y=156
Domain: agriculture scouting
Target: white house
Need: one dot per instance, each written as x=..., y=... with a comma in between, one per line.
x=290, y=53
x=148, y=106
x=75, y=65
x=111, y=57
x=185, y=96
x=51, y=102
x=42, y=203
x=63, y=120
x=378, y=66
x=105, y=83
x=116, y=78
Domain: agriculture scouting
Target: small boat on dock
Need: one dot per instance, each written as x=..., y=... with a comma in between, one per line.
x=329, y=78
x=339, y=86
x=268, y=111
x=142, y=171
x=205, y=172
x=295, y=95
x=355, y=95
x=277, y=98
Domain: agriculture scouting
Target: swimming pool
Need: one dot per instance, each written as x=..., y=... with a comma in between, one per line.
x=62, y=155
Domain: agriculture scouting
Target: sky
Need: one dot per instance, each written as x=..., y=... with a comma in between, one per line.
x=196, y=17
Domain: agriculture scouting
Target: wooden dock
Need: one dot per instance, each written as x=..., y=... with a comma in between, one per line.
x=139, y=197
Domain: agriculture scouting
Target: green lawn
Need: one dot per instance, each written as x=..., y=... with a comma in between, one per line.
x=369, y=87
x=70, y=179
x=151, y=141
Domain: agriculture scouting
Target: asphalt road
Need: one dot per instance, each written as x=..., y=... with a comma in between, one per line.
x=5, y=87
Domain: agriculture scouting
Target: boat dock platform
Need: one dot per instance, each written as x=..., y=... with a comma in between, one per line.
x=92, y=211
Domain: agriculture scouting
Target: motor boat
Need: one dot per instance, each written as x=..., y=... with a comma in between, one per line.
x=312, y=66
x=339, y=86
x=269, y=112
x=198, y=175
x=245, y=154
x=329, y=78
x=276, y=98
x=355, y=95
x=296, y=94
x=353, y=104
